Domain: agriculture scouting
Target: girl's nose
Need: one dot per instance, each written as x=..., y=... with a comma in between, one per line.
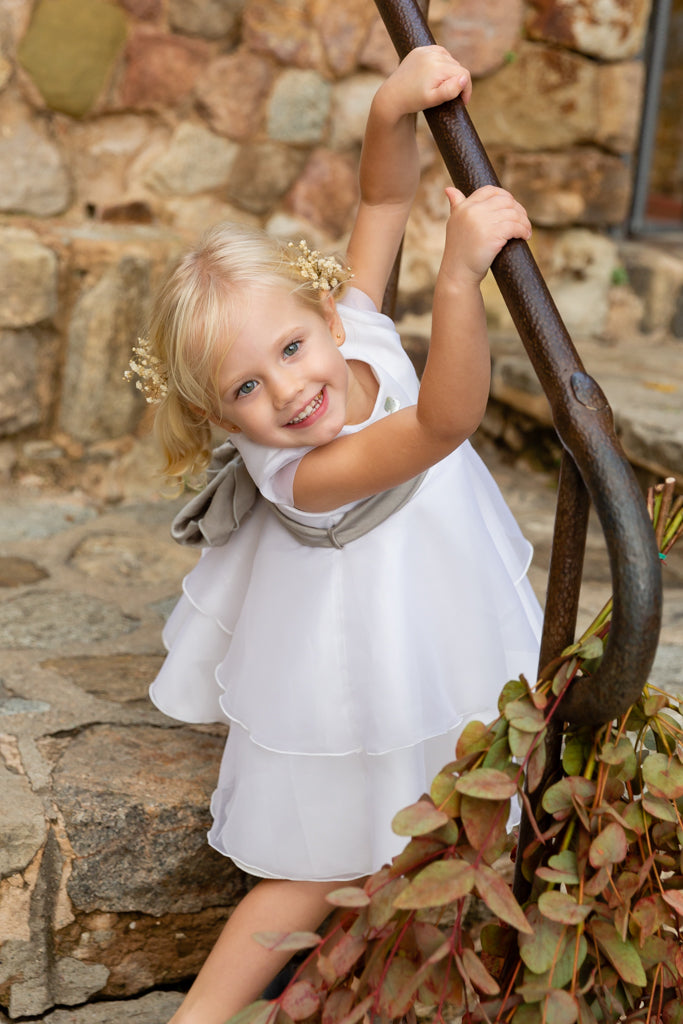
x=285, y=389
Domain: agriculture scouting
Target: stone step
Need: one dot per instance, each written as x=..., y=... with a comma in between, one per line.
x=642, y=380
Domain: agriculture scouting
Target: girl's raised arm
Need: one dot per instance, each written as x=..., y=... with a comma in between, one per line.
x=389, y=167
x=455, y=382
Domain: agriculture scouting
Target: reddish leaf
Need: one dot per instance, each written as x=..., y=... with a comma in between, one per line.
x=609, y=847
x=559, y=799
x=418, y=819
x=674, y=897
x=498, y=898
x=348, y=896
x=381, y=908
x=478, y=974
x=659, y=807
x=344, y=954
x=337, y=1005
x=650, y=913
x=520, y=742
x=515, y=689
x=395, y=995
x=540, y=950
x=300, y=1000
x=524, y=716
x=560, y=906
x=418, y=852
x=287, y=940
x=358, y=1011
x=560, y=1007
x=486, y=784
x=438, y=884
x=485, y=824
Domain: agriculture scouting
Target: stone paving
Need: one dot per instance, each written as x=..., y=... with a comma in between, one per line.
x=108, y=889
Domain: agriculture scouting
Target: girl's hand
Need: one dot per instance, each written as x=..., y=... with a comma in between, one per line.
x=478, y=228
x=426, y=77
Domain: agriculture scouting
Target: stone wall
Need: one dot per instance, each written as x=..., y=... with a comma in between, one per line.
x=129, y=126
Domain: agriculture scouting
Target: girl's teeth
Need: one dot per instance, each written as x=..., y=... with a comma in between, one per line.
x=310, y=408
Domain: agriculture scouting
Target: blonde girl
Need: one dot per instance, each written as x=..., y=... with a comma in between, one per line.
x=373, y=597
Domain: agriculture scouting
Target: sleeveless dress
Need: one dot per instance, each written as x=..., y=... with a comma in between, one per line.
x=347, y=674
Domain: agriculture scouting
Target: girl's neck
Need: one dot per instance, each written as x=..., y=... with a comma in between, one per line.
x=362, y=393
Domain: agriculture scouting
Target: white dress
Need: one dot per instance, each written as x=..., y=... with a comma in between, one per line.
x=347, y=675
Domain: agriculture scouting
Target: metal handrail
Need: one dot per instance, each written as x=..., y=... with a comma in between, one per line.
x=585, y=426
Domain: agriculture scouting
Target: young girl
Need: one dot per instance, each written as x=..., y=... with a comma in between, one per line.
x=348, y=654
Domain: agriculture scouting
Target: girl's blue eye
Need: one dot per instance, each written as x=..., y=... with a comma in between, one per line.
x=247, y=387
x=292, y=348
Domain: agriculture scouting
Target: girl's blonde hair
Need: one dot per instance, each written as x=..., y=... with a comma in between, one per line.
x=193, y=324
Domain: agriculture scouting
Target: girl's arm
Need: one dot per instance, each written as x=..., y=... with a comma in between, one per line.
x=455, y=382
x=389, y=166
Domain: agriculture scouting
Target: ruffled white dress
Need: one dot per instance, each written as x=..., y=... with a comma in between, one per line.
x=346, y=675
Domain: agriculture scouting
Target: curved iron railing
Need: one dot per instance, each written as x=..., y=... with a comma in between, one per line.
x=584, y=423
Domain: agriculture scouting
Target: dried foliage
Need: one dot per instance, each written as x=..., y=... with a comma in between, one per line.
x=600, y=938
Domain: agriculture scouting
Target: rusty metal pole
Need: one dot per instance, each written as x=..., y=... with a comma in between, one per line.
x=594, y=465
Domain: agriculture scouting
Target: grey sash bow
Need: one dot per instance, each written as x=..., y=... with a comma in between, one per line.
x=211, y=517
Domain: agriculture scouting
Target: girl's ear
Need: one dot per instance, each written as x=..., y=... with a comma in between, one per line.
x=332, y=319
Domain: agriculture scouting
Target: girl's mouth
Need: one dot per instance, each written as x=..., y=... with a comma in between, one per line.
x=313, y=407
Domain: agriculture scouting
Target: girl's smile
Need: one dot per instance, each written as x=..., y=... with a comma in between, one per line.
x=283, y=381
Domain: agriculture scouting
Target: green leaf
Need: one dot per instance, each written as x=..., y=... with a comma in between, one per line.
x=418, y=819
x=475, y=737
x=260, y=1012
x=574, y=755
x=673, y=1012
x=663, y=776
x=649, y=914
x=515, y=689
x=520, y=742
x=621, y=953
x=524, y=715
x=287, y=940
x=537, y=764
x=540, y=949
x=497, y=939
x=559, y=799
x=609, y=847
x=560, y=1007
x=444, y=794
x=300, y=1000
x=622, y=754
x=659, y=807
x=417, y=853
x=498, y=898
x=395, y=995
x=562, y=869
x=586, y=1015
x=498, y=755
x=478, y=974
x=527, y=1013
x=591, y=648
x=560, y=906
x=486, y=784
x=348, y=896
x=381, y=909
x=438, y=884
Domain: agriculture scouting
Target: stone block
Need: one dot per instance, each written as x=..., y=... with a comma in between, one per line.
x=284, y=31
x=656, y=276
x=28, y=279
x=619, y=101
x=69, y=50
x=543, y=99
x=326, y=194
x=580, y=185
x=343, y=29
x=262, y=173
x=481, y=33
x=33, y=176
x=298, y=108
x=211, y=19
x=106, y=319
x=378, y=52
x=45, y=618
x=195, y=161
x=24, y=827
x=160, y=69
x=19, y=404
x=232, y=91
x=578, y=267
x=610, y=30
x=351, y=101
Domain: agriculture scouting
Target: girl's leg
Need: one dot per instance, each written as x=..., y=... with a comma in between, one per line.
x=238, y=968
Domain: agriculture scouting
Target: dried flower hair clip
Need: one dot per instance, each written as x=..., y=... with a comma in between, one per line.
x=149, y=369
x=322, y=271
